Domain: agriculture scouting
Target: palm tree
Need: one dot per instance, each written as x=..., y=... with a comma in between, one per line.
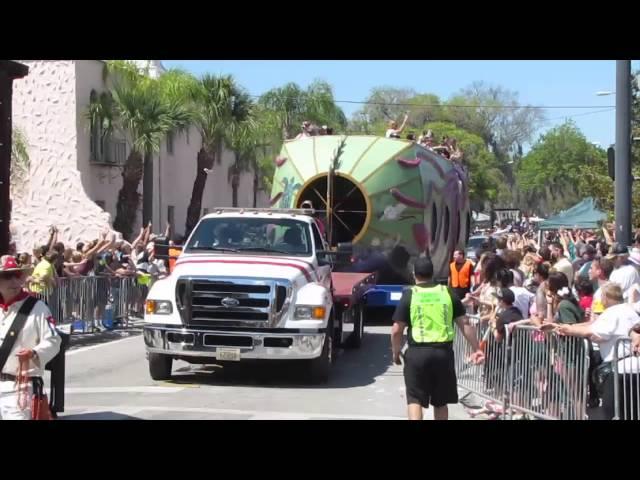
x=244, y=138
x=218, y=101
x=19, y=162
x=142, y=109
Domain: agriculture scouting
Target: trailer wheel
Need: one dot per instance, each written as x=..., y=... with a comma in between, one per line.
x=355, y=339
x=321, y=367
x=160, y=366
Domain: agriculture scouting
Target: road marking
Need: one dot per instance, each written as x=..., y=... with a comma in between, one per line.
x=143, y=389
x=93, y=347
x=252, y=414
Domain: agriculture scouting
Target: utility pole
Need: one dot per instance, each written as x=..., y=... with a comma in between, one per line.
x=9, y=71
x=623, y=179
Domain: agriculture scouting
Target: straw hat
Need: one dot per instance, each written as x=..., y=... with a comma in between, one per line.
x=8, y=264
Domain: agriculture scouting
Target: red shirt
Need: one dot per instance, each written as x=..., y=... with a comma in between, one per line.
x=586, y=301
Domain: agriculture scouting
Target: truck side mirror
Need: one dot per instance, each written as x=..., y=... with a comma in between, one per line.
x=325, y=257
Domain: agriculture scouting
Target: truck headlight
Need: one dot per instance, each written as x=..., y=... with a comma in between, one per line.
x=309, y=312
x=158, y=307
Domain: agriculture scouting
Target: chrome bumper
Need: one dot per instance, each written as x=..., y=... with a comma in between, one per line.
x=188, y=342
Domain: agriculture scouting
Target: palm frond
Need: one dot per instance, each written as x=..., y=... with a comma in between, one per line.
x=20, y=164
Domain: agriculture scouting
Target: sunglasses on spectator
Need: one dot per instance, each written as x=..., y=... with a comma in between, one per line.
x=10, y=275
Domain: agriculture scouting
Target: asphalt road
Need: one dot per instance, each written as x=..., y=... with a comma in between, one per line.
x=107, y=378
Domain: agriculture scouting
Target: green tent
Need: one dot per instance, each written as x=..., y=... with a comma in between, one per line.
x=583, y=215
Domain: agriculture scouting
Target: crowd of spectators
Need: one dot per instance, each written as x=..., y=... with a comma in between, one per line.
x=575, y=283
x=109, y=255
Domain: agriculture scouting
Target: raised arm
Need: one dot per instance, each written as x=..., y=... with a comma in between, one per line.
x=53, y=234
x=404, y=123
x=607, y=236
x=147, y=234
x=138, y=238
x=107, y=244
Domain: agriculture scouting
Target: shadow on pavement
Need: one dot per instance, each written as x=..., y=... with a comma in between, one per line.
x=353, y=368
x=79, y=340
x=98, y=416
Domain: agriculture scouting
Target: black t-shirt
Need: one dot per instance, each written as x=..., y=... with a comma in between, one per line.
x=403, y=310
x=511, y=314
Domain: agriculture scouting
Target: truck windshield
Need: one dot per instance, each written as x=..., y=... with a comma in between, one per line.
x=261, y=235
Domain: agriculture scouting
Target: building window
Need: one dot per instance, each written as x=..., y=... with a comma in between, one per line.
x=94, y=128
x=103, y=147
x=170, y=143
x=170, y=214
x=101, y=204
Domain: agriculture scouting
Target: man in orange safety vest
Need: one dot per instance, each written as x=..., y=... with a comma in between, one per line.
x=461, y=277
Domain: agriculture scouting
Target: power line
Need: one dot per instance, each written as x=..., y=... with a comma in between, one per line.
x=610, y=109
x=505, y=107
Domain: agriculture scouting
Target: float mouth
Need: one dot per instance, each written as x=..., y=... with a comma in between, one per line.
x=351, y=208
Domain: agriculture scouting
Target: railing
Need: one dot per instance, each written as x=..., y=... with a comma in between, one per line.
x=548, y=374
x=82, y=301
x=527, y=371
x=626, y=385
x=488, y=379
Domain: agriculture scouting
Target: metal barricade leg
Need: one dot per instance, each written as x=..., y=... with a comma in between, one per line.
x=626, y=388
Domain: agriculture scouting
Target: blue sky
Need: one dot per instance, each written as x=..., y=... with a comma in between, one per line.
x=539, y=82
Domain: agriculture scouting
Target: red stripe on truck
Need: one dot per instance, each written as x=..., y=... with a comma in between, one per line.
x=304, y=271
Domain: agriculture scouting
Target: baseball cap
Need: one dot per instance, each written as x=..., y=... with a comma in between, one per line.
x=506, y=295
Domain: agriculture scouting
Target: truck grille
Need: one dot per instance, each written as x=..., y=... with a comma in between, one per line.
x=231, y=302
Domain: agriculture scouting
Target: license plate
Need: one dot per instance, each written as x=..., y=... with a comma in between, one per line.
x=229, y=354
x=396, y=295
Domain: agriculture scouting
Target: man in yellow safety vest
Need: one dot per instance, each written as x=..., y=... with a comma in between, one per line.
x=429, y=312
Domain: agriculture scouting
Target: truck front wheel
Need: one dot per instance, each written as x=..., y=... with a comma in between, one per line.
x=160, y=366
x=321, y=367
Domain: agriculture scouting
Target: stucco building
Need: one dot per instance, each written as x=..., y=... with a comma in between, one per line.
x=75, y=179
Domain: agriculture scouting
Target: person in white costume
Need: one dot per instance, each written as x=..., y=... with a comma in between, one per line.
x=36, y=343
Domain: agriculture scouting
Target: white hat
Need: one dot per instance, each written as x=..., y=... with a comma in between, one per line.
x=634, y=256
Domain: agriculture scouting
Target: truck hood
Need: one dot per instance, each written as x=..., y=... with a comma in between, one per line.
x=290, y=268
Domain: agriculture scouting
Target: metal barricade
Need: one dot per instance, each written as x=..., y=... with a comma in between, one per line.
x=490, y=379
x=82, y=301
x=548, y=374
x=626, y=385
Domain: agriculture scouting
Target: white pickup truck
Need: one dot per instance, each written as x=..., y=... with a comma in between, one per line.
x=254, y=284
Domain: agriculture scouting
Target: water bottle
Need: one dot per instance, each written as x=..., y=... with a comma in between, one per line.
x=107, y=319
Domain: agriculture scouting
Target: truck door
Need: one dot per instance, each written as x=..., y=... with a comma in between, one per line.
x=324, y=272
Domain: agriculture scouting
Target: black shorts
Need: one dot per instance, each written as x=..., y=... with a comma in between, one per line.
x=430, y=376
